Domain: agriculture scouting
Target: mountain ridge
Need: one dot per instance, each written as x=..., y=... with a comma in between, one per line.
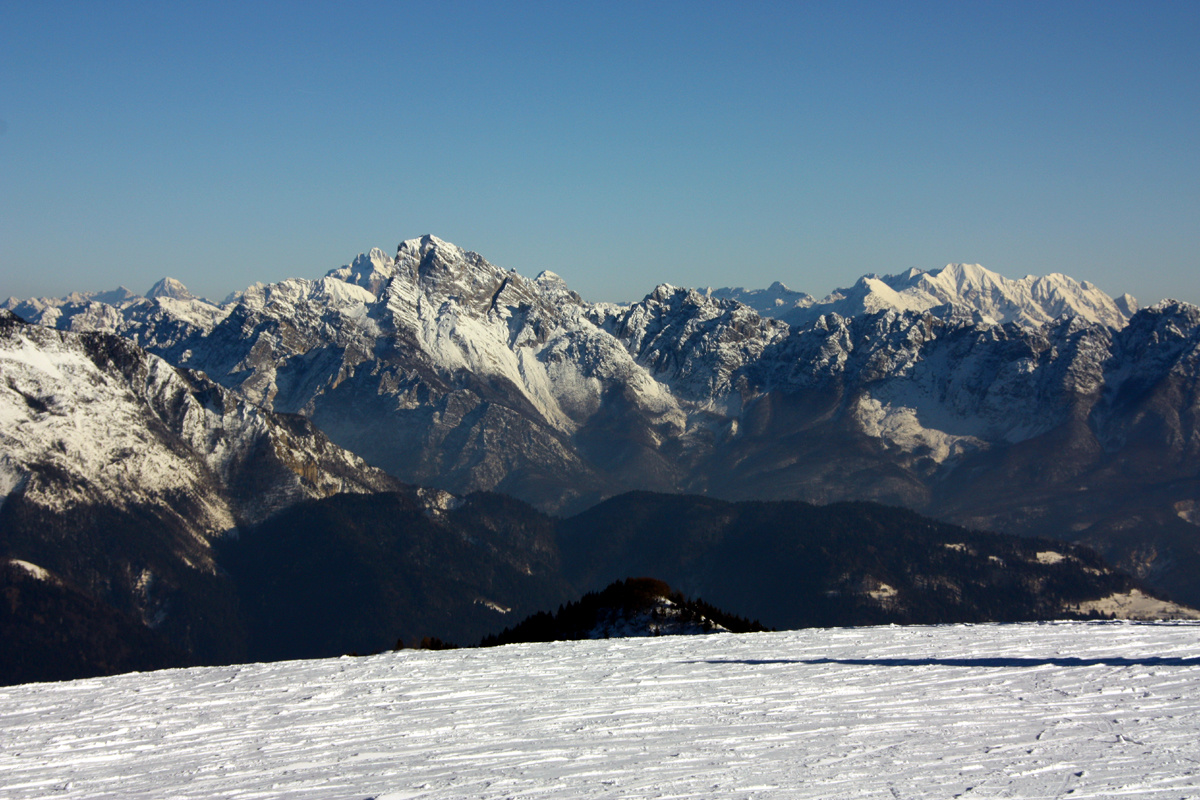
x=969, y=291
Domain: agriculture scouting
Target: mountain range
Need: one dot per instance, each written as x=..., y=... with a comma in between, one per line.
x=153, y=518
x=1038, y=407
x=968, y=291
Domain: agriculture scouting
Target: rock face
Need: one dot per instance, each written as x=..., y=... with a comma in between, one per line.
x=1038, y=406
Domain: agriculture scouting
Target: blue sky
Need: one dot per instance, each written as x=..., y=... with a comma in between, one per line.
x=618, y=144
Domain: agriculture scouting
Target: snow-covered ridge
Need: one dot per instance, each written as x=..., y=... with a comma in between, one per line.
x=963, y=290
x=119, y=473
x=167, y=313
x=93, y=419
x=1034, y=711
x=678, y=356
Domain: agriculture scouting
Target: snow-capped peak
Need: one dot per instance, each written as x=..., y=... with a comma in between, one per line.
x=431, y=261
x=431, y=253
x=169, y=287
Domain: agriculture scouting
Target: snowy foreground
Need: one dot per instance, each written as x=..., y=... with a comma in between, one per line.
x=1054, y=710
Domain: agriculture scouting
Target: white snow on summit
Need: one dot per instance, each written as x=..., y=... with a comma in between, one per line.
x=169, y=287
x=445, y=369
x=124, y=312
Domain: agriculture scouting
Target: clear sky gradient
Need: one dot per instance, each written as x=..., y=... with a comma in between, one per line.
x=619, y=144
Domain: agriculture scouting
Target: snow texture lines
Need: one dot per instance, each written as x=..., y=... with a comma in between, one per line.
x=1031, y=711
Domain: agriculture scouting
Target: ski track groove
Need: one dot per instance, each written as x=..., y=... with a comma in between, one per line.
x=850, y=713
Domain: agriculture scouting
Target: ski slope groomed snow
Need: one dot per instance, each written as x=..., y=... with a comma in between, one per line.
x=1078, y=710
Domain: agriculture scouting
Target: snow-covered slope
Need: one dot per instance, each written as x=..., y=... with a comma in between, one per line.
x=969, y=291
x=1077, y=710
x=91, y=418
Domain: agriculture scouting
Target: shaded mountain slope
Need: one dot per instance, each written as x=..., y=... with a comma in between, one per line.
x=53, y=631
x=356, y=573
x=795, y=565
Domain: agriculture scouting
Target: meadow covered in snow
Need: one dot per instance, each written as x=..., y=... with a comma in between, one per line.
x=1079, y=710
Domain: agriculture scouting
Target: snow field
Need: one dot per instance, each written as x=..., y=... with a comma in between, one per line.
x=1079, y=710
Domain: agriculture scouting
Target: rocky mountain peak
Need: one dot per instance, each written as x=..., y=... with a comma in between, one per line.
x=1170, y=307
x=555, y=289
x=448, y=370
x=429, y=257
x=442, y=271
x=1166, y=322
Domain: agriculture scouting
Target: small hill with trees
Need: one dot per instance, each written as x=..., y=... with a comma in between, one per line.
x=632, y=607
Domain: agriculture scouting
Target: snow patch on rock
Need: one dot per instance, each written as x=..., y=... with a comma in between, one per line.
x=33, y=570
x=900, y=427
